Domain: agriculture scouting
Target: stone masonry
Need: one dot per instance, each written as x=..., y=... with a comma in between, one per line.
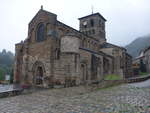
x=57, y=54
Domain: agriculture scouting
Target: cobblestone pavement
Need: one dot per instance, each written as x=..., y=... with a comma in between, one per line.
x=119, y=99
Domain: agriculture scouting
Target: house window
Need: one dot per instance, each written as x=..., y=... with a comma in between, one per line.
x=40, y=33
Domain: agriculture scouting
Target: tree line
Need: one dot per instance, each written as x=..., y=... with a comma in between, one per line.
x=6, y=64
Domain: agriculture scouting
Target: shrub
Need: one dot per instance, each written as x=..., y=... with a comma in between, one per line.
x=113, y=77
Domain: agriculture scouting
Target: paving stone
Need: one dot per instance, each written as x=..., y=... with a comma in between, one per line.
x=119, y=99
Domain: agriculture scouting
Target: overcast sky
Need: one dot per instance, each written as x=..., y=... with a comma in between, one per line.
x=126, y=19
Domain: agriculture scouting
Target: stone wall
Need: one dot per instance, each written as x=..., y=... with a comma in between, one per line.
x=70, y=44
x=94, y=26
x=94, y=65
x=121, y=60
x=128, y=70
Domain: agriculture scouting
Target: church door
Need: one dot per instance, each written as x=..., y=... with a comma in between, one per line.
x=39, y=76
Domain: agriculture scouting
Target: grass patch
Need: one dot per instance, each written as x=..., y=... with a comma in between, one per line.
x=112, y=77
x=143, y=73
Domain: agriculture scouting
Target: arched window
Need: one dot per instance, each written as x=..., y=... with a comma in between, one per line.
x=88, y=44
x=92, y=22
x=47, y=28
x=57, y=54
x=103, y=26
x=84, y=43
x=40, y=33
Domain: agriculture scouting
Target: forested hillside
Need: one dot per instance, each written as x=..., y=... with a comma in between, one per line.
x=137, y=45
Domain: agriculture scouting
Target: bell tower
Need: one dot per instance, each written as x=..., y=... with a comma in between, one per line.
x=93, y=25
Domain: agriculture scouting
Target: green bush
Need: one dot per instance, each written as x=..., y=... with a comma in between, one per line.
x=112, y=77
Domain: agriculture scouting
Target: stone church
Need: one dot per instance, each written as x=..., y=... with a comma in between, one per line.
x=56, y=54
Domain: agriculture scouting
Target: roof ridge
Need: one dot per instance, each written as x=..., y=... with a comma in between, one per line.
x=93, y=15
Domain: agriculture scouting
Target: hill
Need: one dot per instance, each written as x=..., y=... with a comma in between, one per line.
x=137, y=45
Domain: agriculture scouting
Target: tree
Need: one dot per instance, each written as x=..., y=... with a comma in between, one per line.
x=4, y=52
x=11, y=77
x=2, y=74
x=6, y=63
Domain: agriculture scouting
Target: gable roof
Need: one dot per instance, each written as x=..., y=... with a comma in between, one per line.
x=94, y=52
x=77, y=31
x=93, y=15
x=41, y=10
x=109, y=45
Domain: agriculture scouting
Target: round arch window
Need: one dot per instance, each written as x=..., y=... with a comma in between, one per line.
x=40, y=32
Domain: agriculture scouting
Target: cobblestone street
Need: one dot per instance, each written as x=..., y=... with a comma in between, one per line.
x=126, y=98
